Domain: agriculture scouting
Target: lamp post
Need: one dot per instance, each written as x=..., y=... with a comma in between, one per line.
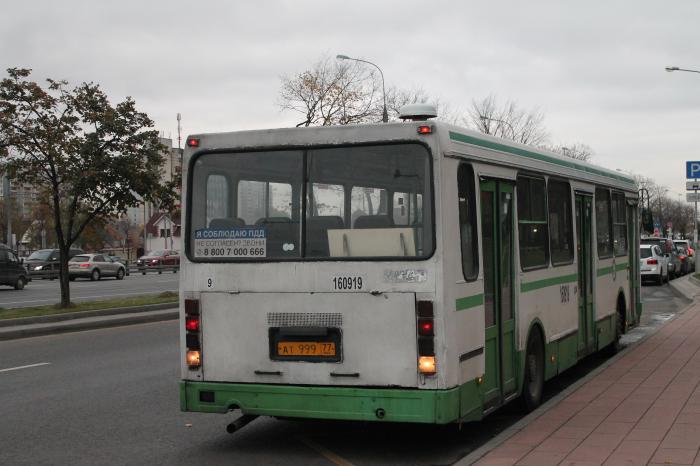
x=385, y=115
x=503, y=122
x=671, y=69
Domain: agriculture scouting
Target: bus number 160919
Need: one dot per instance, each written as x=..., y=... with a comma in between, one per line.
x=347, y=283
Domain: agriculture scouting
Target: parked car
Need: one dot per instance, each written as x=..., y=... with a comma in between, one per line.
x=689, y=251
x=669, y=251
x=158, y=261
x=12, y=271
x=653, y=263
x=124, y=262
x=44, y=263
x=94, y=267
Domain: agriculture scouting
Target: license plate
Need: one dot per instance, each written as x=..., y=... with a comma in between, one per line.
x=306, y=348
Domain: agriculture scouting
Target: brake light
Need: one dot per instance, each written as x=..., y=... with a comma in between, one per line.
x=192, y=323
x=192, y=142
x=682, y=256
x=425, y=327
x=425, y=129
x=85, y=265
x=652, y=261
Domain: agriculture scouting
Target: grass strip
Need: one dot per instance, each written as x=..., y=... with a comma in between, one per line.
x=165, y=297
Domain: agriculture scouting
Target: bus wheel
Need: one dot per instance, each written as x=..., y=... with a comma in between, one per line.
x=533, y=383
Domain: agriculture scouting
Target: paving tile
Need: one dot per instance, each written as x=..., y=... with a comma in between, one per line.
x=682, y=436
x=572, y=432
x=515, y=451
x=541, y=458
x=530, y=437
x=591, y=453
x=633, y=451
x=558, y=445
x=674, y=456
x=614, y=427
x=488, y=461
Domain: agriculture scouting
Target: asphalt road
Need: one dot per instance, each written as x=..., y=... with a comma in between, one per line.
x=40, y=292
x=111, y=397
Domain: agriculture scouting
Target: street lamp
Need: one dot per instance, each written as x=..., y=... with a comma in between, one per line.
x=385, y=115
x=512, y=131
x=695, y=219
x=675, y=68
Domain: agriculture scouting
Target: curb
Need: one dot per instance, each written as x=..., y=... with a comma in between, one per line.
x=82, y=314
x=492, y=444
x=90, y=324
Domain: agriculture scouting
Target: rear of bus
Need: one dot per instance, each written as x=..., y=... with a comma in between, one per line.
x=308, y=285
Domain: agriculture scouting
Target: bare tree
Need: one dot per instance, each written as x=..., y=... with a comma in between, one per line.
x=333, y=93
x=507, y=121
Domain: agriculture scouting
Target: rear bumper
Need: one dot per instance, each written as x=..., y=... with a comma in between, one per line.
x=344, y=403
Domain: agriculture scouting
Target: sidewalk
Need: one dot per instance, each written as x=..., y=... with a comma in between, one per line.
x=643, y=408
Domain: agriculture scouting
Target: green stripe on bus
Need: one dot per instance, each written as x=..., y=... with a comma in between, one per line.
x=536, y=285
x=536, y=156
x=607, y=270
x=470, y=301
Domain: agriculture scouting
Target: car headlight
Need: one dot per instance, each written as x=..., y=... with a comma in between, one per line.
x=38, y=267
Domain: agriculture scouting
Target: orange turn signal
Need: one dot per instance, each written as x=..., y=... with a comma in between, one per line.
x=426, y=365
x=194, y=359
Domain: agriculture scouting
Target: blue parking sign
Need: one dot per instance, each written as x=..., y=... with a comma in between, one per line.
x=692, y=170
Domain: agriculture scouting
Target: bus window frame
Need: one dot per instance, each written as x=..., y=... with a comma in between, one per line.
x=305, y=148
x=476, y=198
x=610, y=219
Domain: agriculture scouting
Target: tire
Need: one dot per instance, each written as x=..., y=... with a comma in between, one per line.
x=660, y=280
x=95, y=275
x=19, y=284
x=615, y=347
x=533, y=381
x=143, y=273
x=160, y=269
x=120, y=274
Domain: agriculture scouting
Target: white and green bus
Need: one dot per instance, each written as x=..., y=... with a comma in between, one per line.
x=407, y=272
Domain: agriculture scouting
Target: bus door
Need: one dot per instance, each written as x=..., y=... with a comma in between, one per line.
x=634, y=274
x=584, y=248
x=499, y=346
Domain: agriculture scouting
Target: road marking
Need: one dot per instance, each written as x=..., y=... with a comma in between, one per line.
x=329, y=455
x=25, y=367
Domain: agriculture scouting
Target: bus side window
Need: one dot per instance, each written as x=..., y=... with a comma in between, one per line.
x=560, y=222
x=619, y=224
x=532, y=222
x=467, y=222
x=602, y=223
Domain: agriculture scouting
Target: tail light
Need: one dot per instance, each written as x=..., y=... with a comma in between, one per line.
x=690, y=252
x=85, y=265
x=425, y=329
x=193, y=336
x=652, y=261
x=682, y=256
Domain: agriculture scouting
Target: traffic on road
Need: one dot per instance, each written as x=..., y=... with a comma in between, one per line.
x=121, y=392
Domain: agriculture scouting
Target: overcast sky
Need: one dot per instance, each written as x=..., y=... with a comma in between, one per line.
x=595, y=68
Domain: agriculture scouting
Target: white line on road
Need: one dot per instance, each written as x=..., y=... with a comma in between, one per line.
x=25, y=367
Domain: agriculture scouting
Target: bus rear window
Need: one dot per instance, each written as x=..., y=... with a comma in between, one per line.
x=351, y=202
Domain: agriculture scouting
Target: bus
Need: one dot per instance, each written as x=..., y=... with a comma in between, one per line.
x=404, y=272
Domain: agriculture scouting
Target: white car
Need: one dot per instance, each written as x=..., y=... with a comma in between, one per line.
x=654, y=265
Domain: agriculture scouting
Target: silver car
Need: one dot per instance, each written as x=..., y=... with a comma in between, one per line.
x=94, y=267
x=654, y=264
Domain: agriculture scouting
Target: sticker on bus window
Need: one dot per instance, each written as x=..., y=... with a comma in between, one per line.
x=235, y=243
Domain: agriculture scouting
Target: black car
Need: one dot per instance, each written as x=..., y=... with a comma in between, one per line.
x=12, y=272
x=44, y=263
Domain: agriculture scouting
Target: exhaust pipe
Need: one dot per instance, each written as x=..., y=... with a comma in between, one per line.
x=240, y=423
